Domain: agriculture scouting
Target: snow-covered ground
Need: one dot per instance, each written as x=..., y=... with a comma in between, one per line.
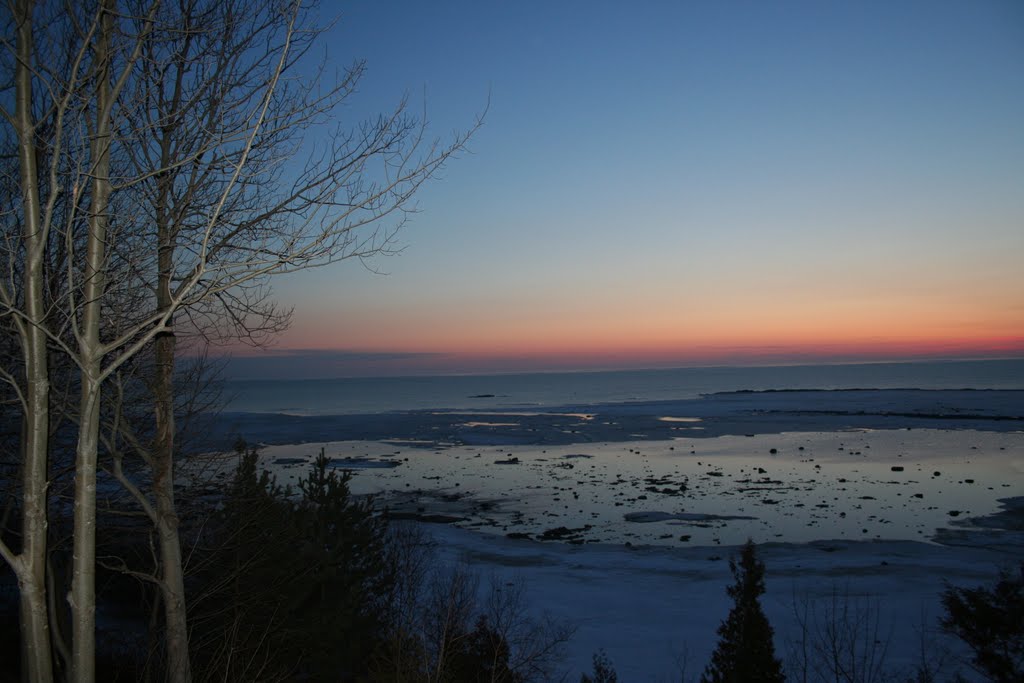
x=655, y=608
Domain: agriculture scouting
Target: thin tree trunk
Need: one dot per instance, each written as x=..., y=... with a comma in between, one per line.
x=172, y=575
x=172, y=571
x=83, y=582
x=37, y=663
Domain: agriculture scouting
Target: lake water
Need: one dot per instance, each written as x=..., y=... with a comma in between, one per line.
x=794, y=487
x=688, y=488
x=511, y=391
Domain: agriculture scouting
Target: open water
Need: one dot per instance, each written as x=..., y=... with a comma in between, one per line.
x=347, y=396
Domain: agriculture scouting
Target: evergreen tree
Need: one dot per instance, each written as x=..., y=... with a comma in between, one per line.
x=482, y=656
x=745, y=652
x=991, y=622
x=294, y=584
x=604, y=672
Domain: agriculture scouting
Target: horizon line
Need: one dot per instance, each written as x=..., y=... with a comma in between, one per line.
x=789, y=363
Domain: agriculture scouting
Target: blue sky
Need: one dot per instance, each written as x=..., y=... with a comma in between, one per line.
x=684, y=182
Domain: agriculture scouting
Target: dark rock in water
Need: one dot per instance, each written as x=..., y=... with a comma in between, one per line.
x=774, y=451
x=684, y=538
x=518, y=536
x=510, y=461
x=968, y=481
x=936, y=474
x=290, y=461
x=954, y=513
x=562, y=533
x=689, y=517
x=482, y=396
x=897, y=468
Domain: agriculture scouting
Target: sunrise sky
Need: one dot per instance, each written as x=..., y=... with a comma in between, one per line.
x=679, y=183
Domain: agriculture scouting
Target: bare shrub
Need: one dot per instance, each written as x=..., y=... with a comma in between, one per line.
x=448, y=629
x=840, y=639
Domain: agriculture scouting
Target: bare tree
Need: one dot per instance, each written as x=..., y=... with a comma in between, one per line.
x=27, y=299
x=170, y=131
x=840, y=640
x=452, y=631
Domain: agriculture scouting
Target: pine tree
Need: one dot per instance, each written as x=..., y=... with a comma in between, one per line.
x=745, y=652
x=604, y=672
x=990, y=620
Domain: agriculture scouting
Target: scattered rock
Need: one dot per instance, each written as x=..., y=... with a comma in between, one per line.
x=645, y=517
x=562, y=533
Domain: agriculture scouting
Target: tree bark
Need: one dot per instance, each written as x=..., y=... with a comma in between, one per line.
x=83, y=582
x=30, y=565
x=172, y=582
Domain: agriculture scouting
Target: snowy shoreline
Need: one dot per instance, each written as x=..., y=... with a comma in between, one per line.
x=648, y=606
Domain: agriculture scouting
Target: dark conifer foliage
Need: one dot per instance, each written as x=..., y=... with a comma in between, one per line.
x=991, y=622
x=482, y=656
x=745, y=651
x=604, y=672
x=293, y=585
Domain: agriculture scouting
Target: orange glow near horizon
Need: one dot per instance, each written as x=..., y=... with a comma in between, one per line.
x=759, y=335
x=738, y=313
x=597, y=354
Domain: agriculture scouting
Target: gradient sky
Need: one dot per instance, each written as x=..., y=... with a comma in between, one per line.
x=678, y=183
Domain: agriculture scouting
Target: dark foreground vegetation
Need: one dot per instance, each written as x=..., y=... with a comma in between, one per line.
x=310, y=584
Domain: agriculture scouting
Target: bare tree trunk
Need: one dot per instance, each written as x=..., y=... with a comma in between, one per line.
x=37, y=663
x=172, y=582
x=83, y=582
